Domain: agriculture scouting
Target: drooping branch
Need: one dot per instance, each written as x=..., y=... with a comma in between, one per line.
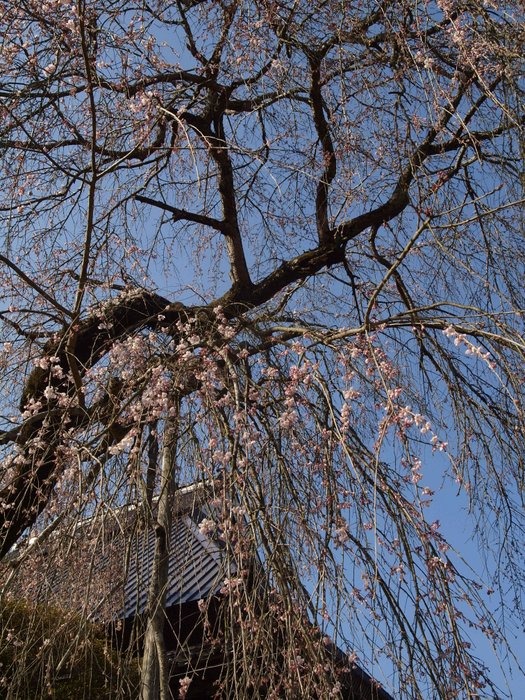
x=26, y=497
x=34, y=284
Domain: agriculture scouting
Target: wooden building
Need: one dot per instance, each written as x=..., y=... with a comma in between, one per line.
x=120, y=549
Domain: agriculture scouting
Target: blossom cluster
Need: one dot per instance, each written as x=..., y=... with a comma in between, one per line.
x=461, y=340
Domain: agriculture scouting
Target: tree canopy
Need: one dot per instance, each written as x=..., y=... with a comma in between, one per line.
x=280, y=242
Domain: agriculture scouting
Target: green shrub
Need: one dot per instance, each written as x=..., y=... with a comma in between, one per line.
x=48, y=653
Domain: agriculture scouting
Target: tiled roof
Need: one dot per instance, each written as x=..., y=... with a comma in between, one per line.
x=196, y=566
x=97, y=567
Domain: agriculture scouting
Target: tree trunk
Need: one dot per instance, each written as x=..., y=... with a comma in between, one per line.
x=154, y=683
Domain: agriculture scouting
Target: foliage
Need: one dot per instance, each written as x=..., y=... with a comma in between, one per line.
x=280, y=242
x=43, y=655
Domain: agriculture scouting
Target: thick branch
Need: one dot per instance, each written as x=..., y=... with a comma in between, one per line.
x=140, y=308
x=218, y=149
x=28, y=491
x=182, y=214
x=329, y=160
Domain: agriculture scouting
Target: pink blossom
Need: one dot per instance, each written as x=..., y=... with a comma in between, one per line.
x=184, y=684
